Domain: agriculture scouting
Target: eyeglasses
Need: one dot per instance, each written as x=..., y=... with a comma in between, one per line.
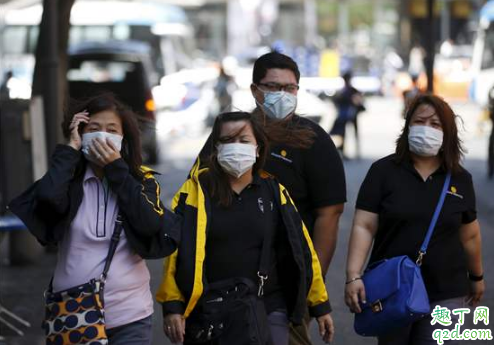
x=273, y=87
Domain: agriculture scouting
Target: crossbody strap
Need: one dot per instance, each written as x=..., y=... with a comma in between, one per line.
x=432, y=225
x=111, y=251
x=266, y=246
x=113, y=246
x=264, y=262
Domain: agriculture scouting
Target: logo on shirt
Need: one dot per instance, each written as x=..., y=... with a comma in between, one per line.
x=260, y=203
x=282, y=155
x=453, y=191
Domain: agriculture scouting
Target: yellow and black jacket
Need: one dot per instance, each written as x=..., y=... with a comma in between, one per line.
x=183, y=281
x=48, y=207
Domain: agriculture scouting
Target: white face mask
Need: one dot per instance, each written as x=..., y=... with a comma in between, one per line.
x=87, y=139
x=279, y=104
x=236, y=158
x=424, y=140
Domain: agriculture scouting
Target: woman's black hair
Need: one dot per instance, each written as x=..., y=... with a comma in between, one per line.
x=451, y=151
x=217, y=180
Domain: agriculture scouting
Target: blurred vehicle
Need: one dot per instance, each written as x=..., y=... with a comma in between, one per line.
x=185, y=100
x=490, y=149
x=365, y=73
x=121, y=67
x=452, y=75
x=452, y=72
x=322, y=87
x=164, y=27
x=313, y=108
x=365, y=79
x=483, y=56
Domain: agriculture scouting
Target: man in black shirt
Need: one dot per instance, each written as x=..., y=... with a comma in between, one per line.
x=313, y=174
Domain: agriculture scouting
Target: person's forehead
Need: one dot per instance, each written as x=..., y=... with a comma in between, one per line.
x=105, y=116
x=231, y=127
x=279, y=75
x=425, y=111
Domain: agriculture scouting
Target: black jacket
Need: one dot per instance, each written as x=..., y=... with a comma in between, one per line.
x=183, y=280
x=48, y=207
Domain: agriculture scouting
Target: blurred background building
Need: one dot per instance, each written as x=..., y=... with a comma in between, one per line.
x=324, y=36
x=179, y=63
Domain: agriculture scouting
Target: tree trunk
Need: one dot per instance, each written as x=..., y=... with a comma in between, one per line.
x=50, y=71
x=430, y=46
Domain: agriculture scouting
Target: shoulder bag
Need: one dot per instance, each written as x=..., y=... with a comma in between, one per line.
x=76, y=315
x=395, y=291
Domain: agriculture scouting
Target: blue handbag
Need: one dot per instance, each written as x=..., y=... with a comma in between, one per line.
x=395, y=291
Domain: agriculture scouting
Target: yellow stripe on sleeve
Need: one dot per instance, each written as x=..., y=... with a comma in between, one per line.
x=317, y=292
x=168, y=290
x=156, y=206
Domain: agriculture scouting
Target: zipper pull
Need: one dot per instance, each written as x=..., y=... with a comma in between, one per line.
x=198, y=336
x=210, y=331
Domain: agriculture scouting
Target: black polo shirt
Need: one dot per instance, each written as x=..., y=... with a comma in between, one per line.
x=405, y=205
x=236, y=235
x=314, y=177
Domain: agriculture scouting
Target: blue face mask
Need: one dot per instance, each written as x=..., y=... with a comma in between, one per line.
x=279, y=104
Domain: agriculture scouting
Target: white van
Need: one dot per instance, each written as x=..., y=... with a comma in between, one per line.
x=483, y=56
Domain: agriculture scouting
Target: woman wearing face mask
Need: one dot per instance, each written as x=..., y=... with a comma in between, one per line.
x=232, y=212
x=91, y=179
x=395, y=205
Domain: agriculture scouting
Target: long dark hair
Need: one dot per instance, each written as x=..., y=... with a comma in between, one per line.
x=451, y=151
x=131, y=143
x=287, y=132
x=217, y=180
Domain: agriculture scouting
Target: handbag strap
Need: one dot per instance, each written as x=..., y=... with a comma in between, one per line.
x=113, y=247
x=264, y=262
x=432, y=225
x=111, y=251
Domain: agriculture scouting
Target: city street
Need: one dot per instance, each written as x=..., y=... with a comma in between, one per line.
x=21, y=288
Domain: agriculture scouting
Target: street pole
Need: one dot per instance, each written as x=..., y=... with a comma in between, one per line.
x=343, y=26
x=310, y=11
x=445, y=21
x=51, y=103
x=430, y=46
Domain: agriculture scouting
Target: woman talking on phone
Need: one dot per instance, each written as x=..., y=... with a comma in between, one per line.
x=95, y=187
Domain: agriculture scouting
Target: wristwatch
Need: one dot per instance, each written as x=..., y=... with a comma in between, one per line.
x=475, y=278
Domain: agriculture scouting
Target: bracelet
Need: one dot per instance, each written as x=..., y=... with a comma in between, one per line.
x=475, y=278
x=352, y=280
